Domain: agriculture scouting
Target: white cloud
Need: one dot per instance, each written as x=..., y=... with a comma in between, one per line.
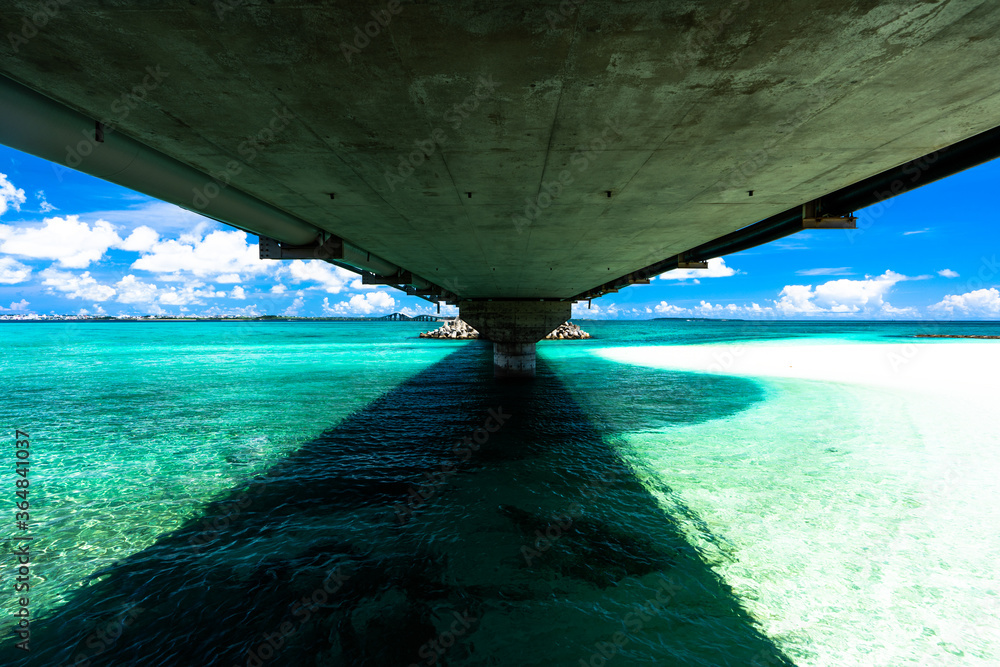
x=132, y=290
x=158, y=215
x=72, y=243
x=296, y=306
x=839, y=271
x=43, y=205
x=73, y=286
x=361, y=304
x=188, y=295
x=238, y=293
x=979, y=303
x=716, y=269
x=842, y=296
x=580, y=310
x=279, y=289
x=251, y=310
x=664, y=308
x=9, y=195
x=948, y=273
x=142, y=239
x=917, y=231
x=331, y=278
x=219, y=253
x=12, y=271
x=596, y=311
x=228, y=278
x=17, y=306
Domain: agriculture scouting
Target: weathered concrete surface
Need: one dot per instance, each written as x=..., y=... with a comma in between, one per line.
x=675, y=109
x=514, y=327
x=513, y=360
x=514, y=321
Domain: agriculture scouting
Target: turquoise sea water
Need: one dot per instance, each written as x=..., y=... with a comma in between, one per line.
x=348, y=494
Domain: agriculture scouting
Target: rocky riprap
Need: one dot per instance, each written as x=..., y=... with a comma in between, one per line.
x=567, y=331
x=452, y=329
x=459, y=329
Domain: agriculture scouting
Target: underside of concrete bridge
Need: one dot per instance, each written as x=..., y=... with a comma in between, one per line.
x=495, y=155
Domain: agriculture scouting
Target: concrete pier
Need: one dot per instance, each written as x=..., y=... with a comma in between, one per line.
x=514, y=360
x=514, y=327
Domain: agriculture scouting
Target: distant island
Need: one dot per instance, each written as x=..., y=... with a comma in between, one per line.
x=700, y=319
x=394, y=317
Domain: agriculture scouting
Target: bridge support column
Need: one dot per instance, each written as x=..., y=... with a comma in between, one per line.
x=514, y=327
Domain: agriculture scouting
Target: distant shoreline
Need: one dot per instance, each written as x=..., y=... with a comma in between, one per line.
x=208, y=319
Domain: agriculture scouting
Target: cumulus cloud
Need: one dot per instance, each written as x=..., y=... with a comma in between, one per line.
x=238, y=293
x=187, y=295
x=15, y=306
x=609, y=311
x=580, y=309
x=132, y=290
x=328, y=277
x=296, y=306
x=10, y=197
x=142, y=239
x=664, y=308
x=229, y=278
x=72, y=243
x=361, y=304
x=218, y=253
x=72, y=286
x=842, y=296
x=978, y=303
x=948, y=273
x=12, y=271
x=716, y=269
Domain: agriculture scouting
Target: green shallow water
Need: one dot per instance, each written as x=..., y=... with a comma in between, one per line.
x=210, y=475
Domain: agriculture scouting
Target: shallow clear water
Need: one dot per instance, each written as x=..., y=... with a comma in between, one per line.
x=193, y=482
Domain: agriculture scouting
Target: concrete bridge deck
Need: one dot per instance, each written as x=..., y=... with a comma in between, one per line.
x=468, y=151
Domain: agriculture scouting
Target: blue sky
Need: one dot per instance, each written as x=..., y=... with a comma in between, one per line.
x=70, y=243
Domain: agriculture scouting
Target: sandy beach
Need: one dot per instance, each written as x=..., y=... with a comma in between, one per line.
x=900, y=453
x=936, y=367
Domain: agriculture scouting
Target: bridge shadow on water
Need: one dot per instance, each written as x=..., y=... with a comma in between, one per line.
x=383, y=543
